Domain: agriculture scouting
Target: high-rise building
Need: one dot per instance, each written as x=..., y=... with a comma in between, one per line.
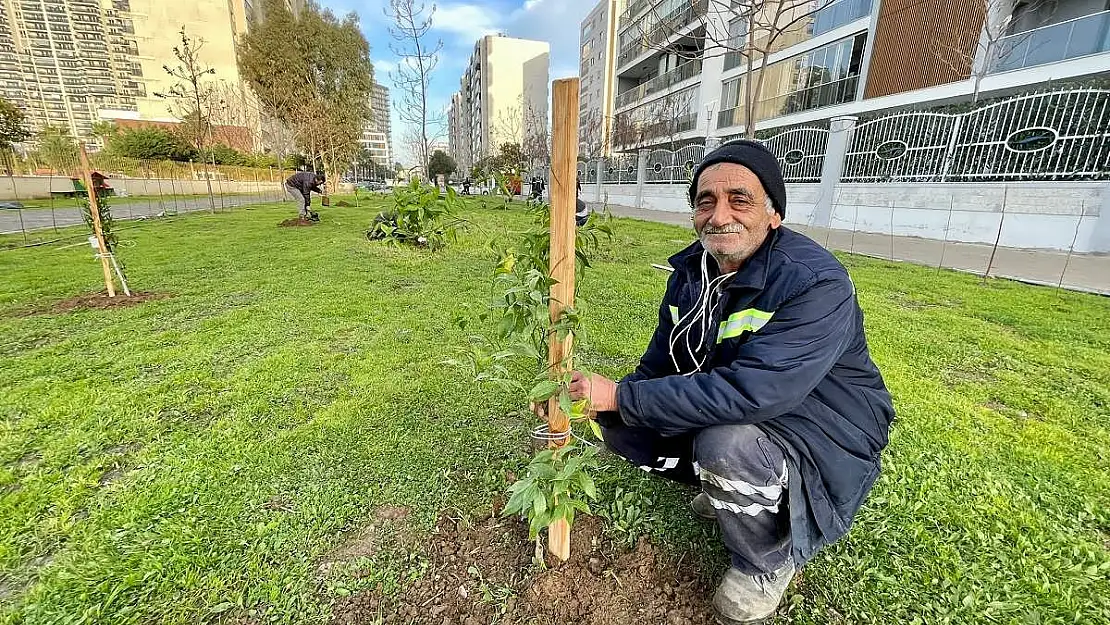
x=377, y=137
x=72, y=62
x=597, y=60
x=680, y=77
x=502, y=98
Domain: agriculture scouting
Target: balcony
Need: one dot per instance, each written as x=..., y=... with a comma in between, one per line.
x=662, y=30
x=837, y=14
x=828, y=18
x=659, y=83
x=634, y=10
x=828, y=94
x=1072, y=39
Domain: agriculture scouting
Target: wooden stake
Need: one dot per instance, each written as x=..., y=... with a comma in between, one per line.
x=564, y=170
x=94, y=209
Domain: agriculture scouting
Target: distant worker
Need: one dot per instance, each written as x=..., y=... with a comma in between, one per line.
x=582, y=210
x=537, y=188
x=299, y=188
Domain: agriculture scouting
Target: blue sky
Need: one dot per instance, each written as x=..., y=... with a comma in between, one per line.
x=459, y=25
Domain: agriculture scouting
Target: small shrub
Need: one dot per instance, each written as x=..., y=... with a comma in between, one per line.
x=421, y=217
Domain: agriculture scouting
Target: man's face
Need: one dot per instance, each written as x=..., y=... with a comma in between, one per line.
x=730, y=214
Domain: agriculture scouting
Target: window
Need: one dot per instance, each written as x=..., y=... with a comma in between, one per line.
x=822, y=77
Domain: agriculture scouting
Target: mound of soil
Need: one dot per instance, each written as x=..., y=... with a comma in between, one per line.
x=343, y=204
x=482, y=571
x=296, y=223
x=102, y=301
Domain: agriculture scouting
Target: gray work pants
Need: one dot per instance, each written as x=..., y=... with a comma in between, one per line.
x=299, y=198
x=742, y=470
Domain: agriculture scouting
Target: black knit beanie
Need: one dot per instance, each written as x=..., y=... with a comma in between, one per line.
x=756, y=157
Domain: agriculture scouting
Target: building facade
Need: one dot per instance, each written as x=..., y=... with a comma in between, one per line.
x=598, y=55
x=681, y=76
x=71, y=63
x=377, y=137
x=502, y=98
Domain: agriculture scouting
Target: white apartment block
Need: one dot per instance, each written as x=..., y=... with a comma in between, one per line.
x=377, y=136
x=505, y=86
x=597, y=67
x=679, y=79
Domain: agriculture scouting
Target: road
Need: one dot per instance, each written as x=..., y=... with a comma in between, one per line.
x=16, y=221
x=1078, y=272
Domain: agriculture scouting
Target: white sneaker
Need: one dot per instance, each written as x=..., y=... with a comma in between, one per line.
x=749, y=600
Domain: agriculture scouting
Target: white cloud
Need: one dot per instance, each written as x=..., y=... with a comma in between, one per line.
x=467, y=22
x=383, y=67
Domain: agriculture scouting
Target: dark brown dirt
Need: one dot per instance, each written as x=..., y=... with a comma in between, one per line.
x=101, y=301
x=482, y=572
x=343, y=204
x=296, y=223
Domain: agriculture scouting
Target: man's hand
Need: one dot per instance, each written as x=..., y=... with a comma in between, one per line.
x=601, y=391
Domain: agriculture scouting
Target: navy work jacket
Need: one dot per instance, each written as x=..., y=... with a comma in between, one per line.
x=786, y=352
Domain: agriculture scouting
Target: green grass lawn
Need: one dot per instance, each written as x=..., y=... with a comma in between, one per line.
x=193, y=458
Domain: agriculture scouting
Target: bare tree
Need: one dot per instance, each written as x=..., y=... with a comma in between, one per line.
x=752, y=31
x=977, y=54
x=419, y=57
x=526, y=126
x=192, y=98
x=537, y=137
x=591, y=135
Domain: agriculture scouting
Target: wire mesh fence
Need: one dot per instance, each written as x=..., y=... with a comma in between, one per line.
x=39, y=197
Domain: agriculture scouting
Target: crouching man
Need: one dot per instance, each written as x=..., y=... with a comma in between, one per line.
x=757, y=385
x=300, y=186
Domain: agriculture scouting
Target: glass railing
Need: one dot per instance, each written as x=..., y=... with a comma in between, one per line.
x=828, y=18
x=1082, y=36
x=659, y=83
x=836, y=92
x=839, y=13
x=634, y=11
x=669, y=127
x=662, y=30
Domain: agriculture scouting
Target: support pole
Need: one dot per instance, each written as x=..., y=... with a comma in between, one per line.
x=563, y=190
x=94, y=209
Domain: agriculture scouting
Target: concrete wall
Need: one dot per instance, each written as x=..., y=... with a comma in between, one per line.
x=40, y=187
x=1033, y=214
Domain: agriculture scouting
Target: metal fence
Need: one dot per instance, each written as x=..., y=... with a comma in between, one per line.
x=1061, y=135
x=38, y=198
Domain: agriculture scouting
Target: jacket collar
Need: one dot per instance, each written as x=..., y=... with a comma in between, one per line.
x=752, y=274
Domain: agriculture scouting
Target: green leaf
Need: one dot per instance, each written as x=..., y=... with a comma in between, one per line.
x=586, y=483
x=564, y=402
x=595, y=428
x=543, y=391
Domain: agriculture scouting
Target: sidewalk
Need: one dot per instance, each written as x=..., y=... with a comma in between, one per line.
x=1085, y=272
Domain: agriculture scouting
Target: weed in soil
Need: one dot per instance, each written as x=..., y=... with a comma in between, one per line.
x=484, y=572
x=296, y=223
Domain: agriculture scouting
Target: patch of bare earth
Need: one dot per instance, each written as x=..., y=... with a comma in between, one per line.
x=296, y=223
x=483, y=571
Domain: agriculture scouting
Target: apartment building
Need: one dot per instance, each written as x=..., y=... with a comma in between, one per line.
x=597, y=69
x=680, y=76
x=71, y=63
x=502, y=95
x=377, y=137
